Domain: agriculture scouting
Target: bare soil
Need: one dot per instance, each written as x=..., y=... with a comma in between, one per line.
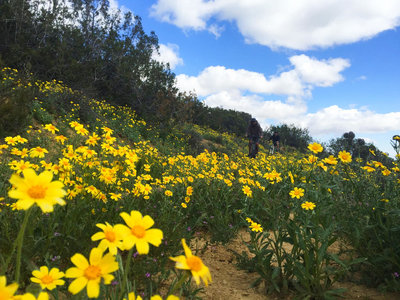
x=230, y=283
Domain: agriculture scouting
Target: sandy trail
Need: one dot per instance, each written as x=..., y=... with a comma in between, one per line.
x=229, y=283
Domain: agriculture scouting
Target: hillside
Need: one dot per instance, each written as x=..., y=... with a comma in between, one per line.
x=76, y=171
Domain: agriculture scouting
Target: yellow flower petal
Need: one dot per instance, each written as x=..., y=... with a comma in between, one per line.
x=147, y=222
x=108, y=278
x=180, y=262
x=77, y=285
x=95, y=256
x=74, y=273
x=80, y=261
x=108, y=264
x=187, y=250
x=154, y=236
x=36, y=280
x=142, y=246
x=43, y=296
x=93, y=289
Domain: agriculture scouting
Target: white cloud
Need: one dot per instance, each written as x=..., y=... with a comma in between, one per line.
x=216, y=30
x=218, y=78
x=305, y=73
x=293, y=24
x=191, y=14
x=251, y=92
x=168, y=54
x=319, y=73
x=115, y=6
x=114, y=9
x=368, y=140
x=256, y=106
x=334, y=119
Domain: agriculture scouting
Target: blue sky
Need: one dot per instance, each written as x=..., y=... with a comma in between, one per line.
x=330, y=66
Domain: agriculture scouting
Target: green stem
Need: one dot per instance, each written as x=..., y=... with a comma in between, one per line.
x=127, y=267
x=180, y=282
x=55, y=294
x=311, y=172
x=20, y=241
x=348, y=175
x=7, y=262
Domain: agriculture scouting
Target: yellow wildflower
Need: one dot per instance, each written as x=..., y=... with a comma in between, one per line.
x=256, y=227
x=192, y=263
x=61, y=139
x=308, y=205
x=189, y=191
x=7, y=291
x=115, y=197
x=29, y=296
x=344, y=156
x=297, y=193
x=38, y=152
x=138, y=232
x=331, y=160
x=315, y=148
x=51, y=128
x=111, y=238
x=89, y=273
x=48, y=280
x=39, y=189
x=247, y=191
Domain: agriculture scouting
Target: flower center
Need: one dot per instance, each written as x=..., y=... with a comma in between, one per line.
x=110, y=236
x=46, y=279
x=194, y=263
x=37, y=192
x=138, y=231
x=92, y=272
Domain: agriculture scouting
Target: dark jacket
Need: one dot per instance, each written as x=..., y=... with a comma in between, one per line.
x=254, y=130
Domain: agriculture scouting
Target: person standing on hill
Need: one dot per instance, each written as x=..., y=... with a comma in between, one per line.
x=275, y=138
x=254, y=134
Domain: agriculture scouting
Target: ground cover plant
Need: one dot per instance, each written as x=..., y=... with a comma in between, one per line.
x=92, y=208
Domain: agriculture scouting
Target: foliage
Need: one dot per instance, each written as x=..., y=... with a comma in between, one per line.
x=290, y=135
x=15, y=102
x=357, y=147
x=111, y=161
x=104, y=54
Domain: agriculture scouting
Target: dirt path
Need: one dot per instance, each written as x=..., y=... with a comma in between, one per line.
x=229, y=283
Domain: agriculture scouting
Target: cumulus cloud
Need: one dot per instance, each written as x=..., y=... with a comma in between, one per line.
x=305, y=73
x=168, y=54
x=115, y=7
x=334, y=119
x=292, y=24
x=191, y=14
x=218, y=78
x=257, y=106
x=259, y=95
x=319, y=73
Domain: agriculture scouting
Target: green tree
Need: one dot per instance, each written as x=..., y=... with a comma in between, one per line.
x=105, y=54
x=87, y=45
x=358, y=148
x=291, y=136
